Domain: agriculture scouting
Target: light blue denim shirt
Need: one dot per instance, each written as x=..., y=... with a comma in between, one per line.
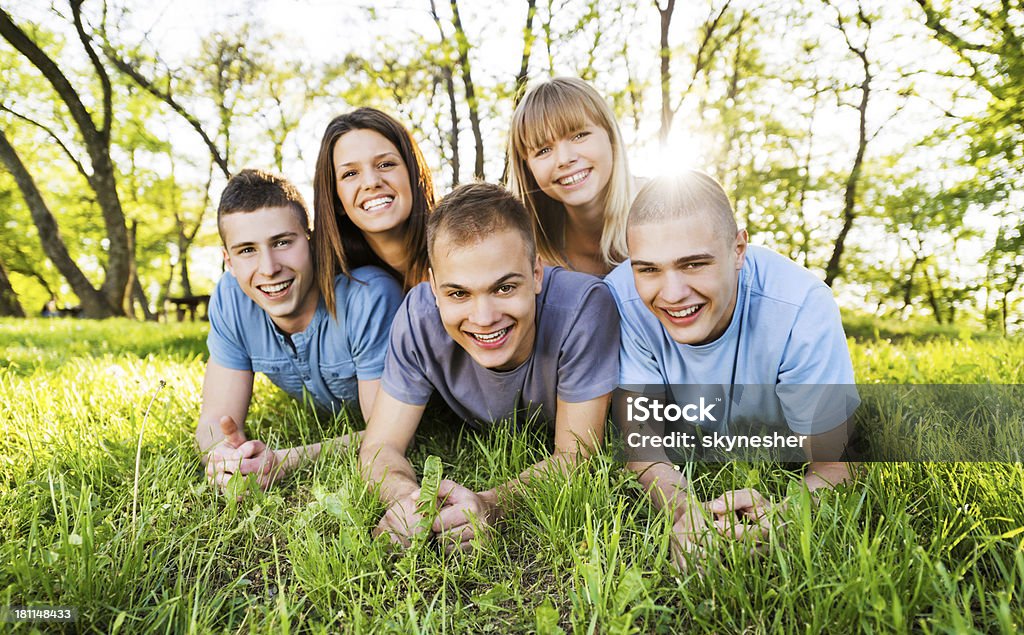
x=328, y=357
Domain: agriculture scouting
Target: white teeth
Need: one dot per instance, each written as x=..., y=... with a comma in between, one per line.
x=490, y=337
x=573, y=179
x=377, y=203
x=274, y=288
x=684, y=312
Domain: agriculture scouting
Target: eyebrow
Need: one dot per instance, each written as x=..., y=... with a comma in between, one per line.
x=275, y=237
x=678, y=261
x=374, y=158
x=497, y=283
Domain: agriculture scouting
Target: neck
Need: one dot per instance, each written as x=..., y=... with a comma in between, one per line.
x=390, y=247
x=586, y=219
x=299, y=322
x=582, y=240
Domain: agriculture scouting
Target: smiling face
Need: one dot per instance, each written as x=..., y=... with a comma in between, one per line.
x=372, y=181
x=687, y=274
x=487, y=296
x=575, y=168
x=268, y=252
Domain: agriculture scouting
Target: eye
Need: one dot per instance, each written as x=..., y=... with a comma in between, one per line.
x=646, y=270
x=457, y=294
x=506, y=289
x=582, y=134
x=384, y=165
x=690, y=266
x=284, y=242
x=542, y=151
x=347, y=173
x=245, y=251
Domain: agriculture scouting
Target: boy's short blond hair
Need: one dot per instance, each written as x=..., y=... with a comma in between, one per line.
x=692, y=193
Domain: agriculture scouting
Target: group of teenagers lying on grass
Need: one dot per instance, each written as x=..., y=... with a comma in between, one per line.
x=534, y=301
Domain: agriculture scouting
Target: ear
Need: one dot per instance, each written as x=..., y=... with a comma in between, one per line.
x=433, y=283
x=227, y=260
x=538, y=274
x=741, y=248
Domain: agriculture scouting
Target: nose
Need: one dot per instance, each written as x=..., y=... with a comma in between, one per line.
x=268, y=264
x=371, y=179
x=675, y=288
x=565, y=153
x=485, y=311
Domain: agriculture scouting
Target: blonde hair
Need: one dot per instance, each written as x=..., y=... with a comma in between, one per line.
x=552, y=110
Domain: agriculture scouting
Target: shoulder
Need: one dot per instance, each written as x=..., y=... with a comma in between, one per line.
x=620, y=281
x=229, y=302
x=420, y=299
x=366, y=279
x=568, y=289
x=774, y=277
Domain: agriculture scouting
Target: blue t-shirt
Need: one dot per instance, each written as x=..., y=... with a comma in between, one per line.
x=785, y=333
x=574, y=355
x=328, y=356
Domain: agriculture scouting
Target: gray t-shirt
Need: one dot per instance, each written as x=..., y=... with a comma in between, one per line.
x=575, y=355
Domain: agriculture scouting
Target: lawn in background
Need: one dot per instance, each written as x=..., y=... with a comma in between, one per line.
x=912, y=547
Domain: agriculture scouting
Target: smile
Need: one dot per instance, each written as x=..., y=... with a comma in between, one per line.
x=685, y=313
x=275, y=289
x=375, y=204
x=574, y=179
x=491, y=340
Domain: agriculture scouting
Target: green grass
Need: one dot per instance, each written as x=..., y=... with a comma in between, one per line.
x=933, y=548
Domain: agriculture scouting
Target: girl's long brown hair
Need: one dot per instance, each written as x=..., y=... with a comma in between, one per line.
x=338, y=245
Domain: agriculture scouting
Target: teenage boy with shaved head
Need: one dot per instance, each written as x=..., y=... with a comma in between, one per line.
x=496, y=335
x=699, y=306
x=267, y=316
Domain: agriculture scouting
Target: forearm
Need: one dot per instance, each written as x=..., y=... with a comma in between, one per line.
x=208, y=436
x=821, y=474
x=293, y=458
x=666, y=486
x=388, y=468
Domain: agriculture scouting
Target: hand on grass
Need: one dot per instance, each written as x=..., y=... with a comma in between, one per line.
x=236, y=454
x=463, y=516
x=741, y=514
x=690, y=534
x=401, y=522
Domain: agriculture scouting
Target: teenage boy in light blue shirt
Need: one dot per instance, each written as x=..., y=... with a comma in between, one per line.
x=700, y=306
x=266, y=315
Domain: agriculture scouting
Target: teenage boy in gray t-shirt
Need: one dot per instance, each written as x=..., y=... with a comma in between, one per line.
x=497, y=335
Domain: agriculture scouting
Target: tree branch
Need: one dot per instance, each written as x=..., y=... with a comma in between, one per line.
x=53, y=135
x=101, y=72
x=165, y=96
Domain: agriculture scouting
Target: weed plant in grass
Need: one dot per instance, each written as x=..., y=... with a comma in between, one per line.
x=911, y=547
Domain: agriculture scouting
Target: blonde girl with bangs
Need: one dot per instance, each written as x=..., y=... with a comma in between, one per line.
x=567, y=163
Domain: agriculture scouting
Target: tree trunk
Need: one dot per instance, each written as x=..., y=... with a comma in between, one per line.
x=523, y=75
x=95, y=304
x=834, y=266
x=524, y=60
x=664, y=55
x=139, y=295
x=102, y=180
x=462, y=43
x=9, y=305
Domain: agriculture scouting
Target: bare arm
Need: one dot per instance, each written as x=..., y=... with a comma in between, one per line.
x=226, y=392
x=368, y=389
x=388, y=434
